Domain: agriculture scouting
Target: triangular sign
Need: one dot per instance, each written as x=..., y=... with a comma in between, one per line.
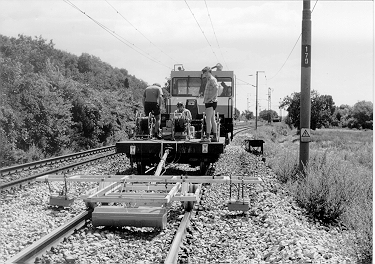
x=305, y=134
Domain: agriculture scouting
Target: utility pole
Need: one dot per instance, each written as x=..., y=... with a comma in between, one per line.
x=305, y=104
x=248, y=102
x=256, y=102
x=269, y=98
x=269, y=105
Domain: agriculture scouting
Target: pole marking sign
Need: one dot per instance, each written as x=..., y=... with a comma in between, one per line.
x=305, y=135
x=306, y=56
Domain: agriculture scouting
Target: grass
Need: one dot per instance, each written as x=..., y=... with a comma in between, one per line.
x=336, y=186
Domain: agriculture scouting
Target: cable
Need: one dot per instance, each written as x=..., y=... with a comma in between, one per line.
x=120, y=38
x=245, y=82
x=217, y=41
x=202, y=31
x=292, y=48
x=287, y=58
x=140, y=32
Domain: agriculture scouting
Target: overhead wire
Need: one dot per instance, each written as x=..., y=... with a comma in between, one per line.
x=245, y=82
x=213, y=29
x=201, y=30
x=295, y=44
x=140, y=32
x=117, y=36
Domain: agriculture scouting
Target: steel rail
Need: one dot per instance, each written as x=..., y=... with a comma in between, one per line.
x=61, y=169
x=239, y=130
x=172, y=256
x=16, y=168
x=30, y=253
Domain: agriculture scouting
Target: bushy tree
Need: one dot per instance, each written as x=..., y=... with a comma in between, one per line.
x=362, y=114
x=247, y=114
x=52, y=100
x=237, y=114
x=341, y=115
x=292, y=105
x=268, y=115
x=322, y=109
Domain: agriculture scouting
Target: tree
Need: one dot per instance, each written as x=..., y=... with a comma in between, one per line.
x=322, y=109
x=237, y=114
x=292, y=105
x=363, y=114
x=341, y=115
x=126, y=83
x=52, y=101
x=248, y=114
x=268, y=115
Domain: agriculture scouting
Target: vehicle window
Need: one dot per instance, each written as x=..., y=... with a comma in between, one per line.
x=225, y=87
x=186, y=86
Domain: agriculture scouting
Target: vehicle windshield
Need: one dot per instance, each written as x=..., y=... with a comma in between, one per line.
x=194, y=86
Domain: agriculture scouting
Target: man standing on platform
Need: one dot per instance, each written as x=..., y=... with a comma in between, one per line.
x=152, y=101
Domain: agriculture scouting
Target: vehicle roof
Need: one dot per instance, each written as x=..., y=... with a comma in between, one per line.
x=175, y=74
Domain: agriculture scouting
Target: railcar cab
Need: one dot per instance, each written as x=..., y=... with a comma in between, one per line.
x=188, y=87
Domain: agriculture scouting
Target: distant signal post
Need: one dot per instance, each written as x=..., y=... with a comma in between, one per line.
x=305, y=103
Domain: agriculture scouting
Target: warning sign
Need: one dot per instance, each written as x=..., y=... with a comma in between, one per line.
x=305, y=135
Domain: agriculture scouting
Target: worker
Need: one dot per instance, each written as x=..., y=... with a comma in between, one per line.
x=152, y=101
x=210, y=102
x=182, y=110
x=227, y=90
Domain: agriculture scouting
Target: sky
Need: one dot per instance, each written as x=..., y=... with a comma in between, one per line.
x=251, y=38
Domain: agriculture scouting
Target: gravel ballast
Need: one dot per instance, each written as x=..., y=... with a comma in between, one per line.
x=274, y=230
x=25, y=215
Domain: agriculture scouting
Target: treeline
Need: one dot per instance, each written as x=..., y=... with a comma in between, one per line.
x=53, y=102
x=324, y=113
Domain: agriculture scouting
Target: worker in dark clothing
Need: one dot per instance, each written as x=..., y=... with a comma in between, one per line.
x=152, y=101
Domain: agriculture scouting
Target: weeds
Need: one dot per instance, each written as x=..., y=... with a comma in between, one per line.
x=324, y=190
x=285, y=165
x=336, y=186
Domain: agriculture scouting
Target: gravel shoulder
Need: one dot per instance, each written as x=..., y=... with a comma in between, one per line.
x=274, y=230
x=25, y=215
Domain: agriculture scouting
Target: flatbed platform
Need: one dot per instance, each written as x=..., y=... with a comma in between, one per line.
x=194, y=151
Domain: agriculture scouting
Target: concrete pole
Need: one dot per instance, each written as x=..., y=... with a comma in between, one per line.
x=256, y=104
x=234, y=93
x=305, y=104
x=269, y=105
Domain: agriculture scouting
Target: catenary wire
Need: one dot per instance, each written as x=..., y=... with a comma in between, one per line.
x=201, y=30
x=295, y=44
x=118, y=37
x=213, y=29
x=245, y=82
x=140, y=32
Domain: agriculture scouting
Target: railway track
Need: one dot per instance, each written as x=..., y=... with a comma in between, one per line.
x=39, y=163
x=34, y=251
x=108, y=151
x=100, y=153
